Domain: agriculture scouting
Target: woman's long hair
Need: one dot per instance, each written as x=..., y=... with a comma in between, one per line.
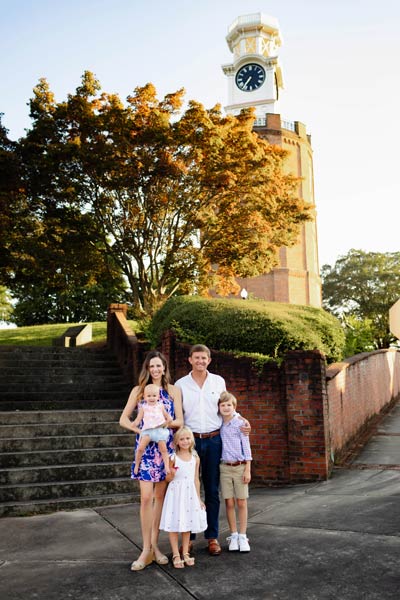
x=144, y=376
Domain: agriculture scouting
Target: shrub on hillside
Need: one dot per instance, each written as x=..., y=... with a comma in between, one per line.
x=249, y=326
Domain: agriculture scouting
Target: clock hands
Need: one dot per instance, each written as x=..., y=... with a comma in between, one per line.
x=247, y=82
x=250, y=77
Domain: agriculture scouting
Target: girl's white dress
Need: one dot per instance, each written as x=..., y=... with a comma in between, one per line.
x=181, y=509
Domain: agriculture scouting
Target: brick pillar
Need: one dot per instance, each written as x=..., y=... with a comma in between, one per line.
x=306, y=396
x=168, y=348
x=114, y=308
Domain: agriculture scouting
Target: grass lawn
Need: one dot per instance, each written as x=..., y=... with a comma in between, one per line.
x=43, y=335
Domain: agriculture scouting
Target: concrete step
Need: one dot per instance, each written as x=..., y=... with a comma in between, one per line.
x=48, y=404
x=75, y=393
x=84, y=385
x=67, y=472
x=55, y=352
x=17, y=417
x=21, y=509
x=64, y=442
x=61, y=457
x=62, y=375
x=59, y=429
x=55, y=360
x=63, y=489
x=45, y=371
x=39, y=363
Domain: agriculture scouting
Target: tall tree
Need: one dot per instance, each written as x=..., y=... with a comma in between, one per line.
x=50, y=258
x=64, y=276
x=363, y=285
x=179, y=203
x=6, y=307
x=14, y=212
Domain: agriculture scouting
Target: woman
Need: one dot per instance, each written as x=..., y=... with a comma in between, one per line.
x=151, y=473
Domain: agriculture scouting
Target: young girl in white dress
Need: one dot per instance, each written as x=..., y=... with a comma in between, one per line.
x=183, y=510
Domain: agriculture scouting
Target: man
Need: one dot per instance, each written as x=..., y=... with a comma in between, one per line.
x=200, y=394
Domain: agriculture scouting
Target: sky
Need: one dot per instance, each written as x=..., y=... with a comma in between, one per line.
x=340, y=68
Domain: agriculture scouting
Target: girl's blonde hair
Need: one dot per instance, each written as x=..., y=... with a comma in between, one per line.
x=184, y=429
x=149, y=386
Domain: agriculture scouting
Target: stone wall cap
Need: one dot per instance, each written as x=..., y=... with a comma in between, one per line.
x=335, y=368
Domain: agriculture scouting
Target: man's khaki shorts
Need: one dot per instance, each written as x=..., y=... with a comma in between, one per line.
x=231, y=480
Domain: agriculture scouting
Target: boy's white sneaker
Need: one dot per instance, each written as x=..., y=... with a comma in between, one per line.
x=233, y=540
x=243, y=543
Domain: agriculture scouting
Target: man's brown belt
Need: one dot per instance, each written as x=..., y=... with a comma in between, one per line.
x=206, y=435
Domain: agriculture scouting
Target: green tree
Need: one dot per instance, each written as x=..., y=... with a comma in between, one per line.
x=65, y=279
x=360, y=289
x=50, y=257
x=14, y=212
x=6, y=307
x=359, y=335
x=177, y=203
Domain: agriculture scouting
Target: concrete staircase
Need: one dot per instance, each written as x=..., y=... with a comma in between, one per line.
x=61, y=446
x=47, y=378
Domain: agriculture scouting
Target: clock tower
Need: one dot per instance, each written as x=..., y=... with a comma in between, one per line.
x=254, y=77
x=254, y=80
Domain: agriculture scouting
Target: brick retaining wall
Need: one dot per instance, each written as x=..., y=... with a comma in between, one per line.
x=285, y=404
x=302, y=414
x=358, y=389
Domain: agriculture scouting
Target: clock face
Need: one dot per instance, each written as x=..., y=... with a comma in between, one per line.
x=250, y=77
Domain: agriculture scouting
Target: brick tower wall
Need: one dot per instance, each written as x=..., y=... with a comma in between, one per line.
x=296, y=280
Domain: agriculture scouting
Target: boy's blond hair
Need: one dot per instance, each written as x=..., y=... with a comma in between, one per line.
x=225, y=397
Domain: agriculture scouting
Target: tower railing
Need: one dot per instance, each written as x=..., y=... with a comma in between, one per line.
x=254, y=19
x=289, y=125
x=285, y=123
x=245, y=20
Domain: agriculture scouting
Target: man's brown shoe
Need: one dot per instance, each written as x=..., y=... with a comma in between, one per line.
x=213, y=547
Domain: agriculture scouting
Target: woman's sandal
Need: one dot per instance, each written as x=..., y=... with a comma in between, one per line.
x=139, y=565
x=188, y=560
x=160, y=558
x=177, y=561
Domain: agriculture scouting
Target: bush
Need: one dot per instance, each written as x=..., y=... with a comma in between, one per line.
x=249, y=326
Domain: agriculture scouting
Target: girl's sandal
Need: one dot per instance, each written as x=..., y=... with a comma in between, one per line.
x=177, y=562
x=188, y=560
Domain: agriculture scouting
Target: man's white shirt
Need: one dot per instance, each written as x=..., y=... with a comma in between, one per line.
x=200, y=404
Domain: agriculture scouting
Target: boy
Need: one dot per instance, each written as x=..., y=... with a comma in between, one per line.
x=235, y=472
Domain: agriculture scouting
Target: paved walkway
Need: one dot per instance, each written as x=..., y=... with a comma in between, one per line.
x=336, y=540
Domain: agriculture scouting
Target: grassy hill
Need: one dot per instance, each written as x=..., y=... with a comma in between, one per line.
x=43, y=335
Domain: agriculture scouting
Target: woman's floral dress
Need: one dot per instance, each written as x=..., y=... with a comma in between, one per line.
x=152, y=465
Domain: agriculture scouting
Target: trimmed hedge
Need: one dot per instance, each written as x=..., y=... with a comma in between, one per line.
x=249, y=326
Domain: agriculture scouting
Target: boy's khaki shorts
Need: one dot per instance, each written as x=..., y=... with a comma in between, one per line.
x=231, y=480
